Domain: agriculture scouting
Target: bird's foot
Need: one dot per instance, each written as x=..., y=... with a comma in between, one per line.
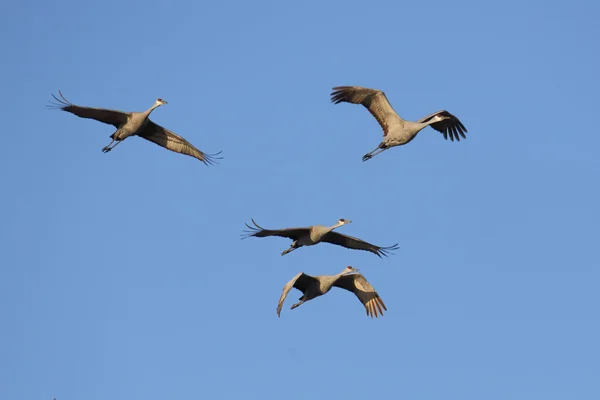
x=106, y=149
x=367, y=157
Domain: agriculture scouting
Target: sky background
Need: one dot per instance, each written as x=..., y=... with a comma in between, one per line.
x=123, y=275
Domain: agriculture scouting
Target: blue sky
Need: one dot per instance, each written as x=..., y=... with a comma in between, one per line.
x=124, y=277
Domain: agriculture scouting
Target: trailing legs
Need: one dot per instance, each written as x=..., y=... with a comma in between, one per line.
x=297, y=304
x=379, y=149
x=108, y=148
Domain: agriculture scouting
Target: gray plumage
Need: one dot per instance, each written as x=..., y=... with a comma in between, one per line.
x=135, y=124
x=396, y=131
x=349, y=279
x=311, y=235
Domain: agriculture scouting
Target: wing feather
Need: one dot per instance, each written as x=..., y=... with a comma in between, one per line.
x=373, y=100
x=301, y=282
x=450, y=126
x=351, y=242
x=110, y=117
x=259, y=231
x=358, y=284
x=172, y=141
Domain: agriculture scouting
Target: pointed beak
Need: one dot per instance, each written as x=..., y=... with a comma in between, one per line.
x=348, y=221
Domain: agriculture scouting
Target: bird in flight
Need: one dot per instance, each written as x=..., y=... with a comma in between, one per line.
x=135, y=124
x=311, y=235
x=396, y=131
x=348, y=278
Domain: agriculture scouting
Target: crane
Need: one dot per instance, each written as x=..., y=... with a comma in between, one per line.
x=396, y=131
x=311, y=235
x=348, y=278
x=135, y=124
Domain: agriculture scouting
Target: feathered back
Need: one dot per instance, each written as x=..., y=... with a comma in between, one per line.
x=374, y=100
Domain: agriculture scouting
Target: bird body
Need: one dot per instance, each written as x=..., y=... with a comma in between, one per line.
x=136, y=121
x=317, y=232
x=396, y=131
x=315, y=286
x=403, y=133
x=311, y=235
x=135, y=124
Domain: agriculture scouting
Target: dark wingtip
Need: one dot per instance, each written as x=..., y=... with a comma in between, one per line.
x=461, y=129
x=338, y=94
x=455, y=133
x=252, y=229
x=382, y=303
x=211, y=159
x=58, y=104
x=385, y=251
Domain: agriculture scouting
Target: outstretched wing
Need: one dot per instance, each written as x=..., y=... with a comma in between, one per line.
x=290, y=233
x=374, y=100
x=111, y=117
x=358, y=284
x=301, y=282
x=357, y=244
x=449, y=126
x=172, y=141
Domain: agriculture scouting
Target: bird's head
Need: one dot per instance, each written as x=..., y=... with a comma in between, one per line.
x=349, y=270
x=343, y=221
x=160, y=102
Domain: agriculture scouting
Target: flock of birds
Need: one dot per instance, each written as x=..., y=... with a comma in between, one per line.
x=396, y=132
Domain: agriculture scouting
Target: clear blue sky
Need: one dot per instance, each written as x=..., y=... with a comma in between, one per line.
x=123, y=275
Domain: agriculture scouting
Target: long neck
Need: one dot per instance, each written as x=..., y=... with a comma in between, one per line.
x=418, y=126
x=148, y=111
x=332, y=227
x=328, y=281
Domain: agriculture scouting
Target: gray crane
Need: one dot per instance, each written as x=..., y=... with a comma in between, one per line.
x=135, y=123
x=311, y=235
x=349, y=279
x=396, y=131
